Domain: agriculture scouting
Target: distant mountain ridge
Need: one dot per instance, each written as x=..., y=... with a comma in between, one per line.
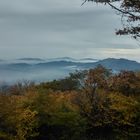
x=49, y=69
x=31, y=59
x=120, y=64
x=110, y=63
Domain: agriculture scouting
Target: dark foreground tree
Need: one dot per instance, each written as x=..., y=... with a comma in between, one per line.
x=107, y=103
x=130, y=12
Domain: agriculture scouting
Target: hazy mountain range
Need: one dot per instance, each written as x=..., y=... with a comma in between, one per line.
x=37, y=69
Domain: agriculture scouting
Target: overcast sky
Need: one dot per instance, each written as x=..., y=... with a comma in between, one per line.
x=58, y=28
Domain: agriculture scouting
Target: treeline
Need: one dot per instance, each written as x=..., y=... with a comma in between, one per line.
x=88, y=105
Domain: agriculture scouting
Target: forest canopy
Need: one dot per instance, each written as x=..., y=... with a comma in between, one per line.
x=92, y=104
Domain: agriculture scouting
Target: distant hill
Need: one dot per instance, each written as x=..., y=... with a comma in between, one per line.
x=116, y=64
x=58, y=64
x=120, y=64
x=111, y=63
x=31, y=59
x=49, y=69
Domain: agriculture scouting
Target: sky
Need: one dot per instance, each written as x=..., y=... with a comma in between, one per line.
x=60, y=28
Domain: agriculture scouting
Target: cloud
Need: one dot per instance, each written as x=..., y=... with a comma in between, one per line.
x=52, y=28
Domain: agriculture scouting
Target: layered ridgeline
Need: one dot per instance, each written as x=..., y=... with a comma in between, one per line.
x=37, y=69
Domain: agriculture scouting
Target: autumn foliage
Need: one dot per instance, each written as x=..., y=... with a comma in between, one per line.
x=93, y=104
